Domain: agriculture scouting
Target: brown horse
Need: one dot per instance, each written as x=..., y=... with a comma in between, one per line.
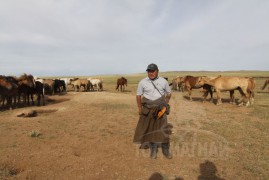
x=4, y=83
x=8, y=90
x=121, y=82
x=49, y=86
x=228, y=84
x=25, y=83
x=251, y=87
x=191, y=82
x=81, y=82
x=265, y=84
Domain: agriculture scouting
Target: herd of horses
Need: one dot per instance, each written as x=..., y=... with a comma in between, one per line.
x=13, y=88
x=245, y=86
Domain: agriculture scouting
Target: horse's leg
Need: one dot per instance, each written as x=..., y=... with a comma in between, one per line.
x=252, y=97
x=43, y=99
x=24, y=99
x=232, y=100
x=42, y=94
x=32, y=98
x=219, y=102
x=240, y=101
x=245, y=96
x=15, y=100
x=19, y=98
x=9, y=102
x=38, y=99
x=84, y=86
x=189, y=89
x=28, y=99
x=3, y=100
x=205, y=96
x=211, y=95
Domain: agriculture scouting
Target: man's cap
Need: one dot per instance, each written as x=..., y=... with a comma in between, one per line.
x=152, y=67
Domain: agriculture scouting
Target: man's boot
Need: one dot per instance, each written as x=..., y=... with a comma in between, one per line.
x=166, y=151
x=153, y=151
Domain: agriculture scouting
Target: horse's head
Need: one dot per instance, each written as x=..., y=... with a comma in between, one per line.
x=201, y=81
x=27, y=80
x=31, y=80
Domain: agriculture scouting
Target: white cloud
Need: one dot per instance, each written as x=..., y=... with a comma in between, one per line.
x=178, y=35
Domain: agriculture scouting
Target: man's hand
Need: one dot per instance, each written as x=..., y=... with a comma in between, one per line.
x=167, y=98
x=139, y=111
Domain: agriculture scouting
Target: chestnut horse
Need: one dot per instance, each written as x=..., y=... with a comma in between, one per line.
x=121, y=82
x=191, y=82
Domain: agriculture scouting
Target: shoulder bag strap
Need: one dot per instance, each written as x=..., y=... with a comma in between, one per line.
x=156, y=88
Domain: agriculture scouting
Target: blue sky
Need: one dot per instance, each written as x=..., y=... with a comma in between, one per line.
x=93, y=37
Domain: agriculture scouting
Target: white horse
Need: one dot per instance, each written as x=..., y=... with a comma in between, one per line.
x=68, y=81
x=38, y=79
x=98, y=83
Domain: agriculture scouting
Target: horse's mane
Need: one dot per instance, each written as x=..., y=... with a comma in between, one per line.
x=189, y=76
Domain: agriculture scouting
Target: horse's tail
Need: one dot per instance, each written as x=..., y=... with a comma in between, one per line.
x=265, y=84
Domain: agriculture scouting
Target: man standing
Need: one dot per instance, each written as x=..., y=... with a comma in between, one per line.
x=153, y=95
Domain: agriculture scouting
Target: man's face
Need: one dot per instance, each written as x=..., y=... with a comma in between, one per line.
x=152, y=74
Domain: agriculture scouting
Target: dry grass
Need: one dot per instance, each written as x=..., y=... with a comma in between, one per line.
x=88, y=135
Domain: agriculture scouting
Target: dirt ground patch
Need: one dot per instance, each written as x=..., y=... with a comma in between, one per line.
x=88, y=135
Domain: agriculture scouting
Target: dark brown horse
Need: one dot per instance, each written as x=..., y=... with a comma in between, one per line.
x=121, y=82
x=25, y=82
x=39, y=90
x=8, y=90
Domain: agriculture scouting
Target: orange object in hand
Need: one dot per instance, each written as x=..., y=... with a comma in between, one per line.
x=161, y=112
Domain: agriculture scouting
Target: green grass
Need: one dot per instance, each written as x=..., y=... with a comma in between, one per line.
x=35, y=133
